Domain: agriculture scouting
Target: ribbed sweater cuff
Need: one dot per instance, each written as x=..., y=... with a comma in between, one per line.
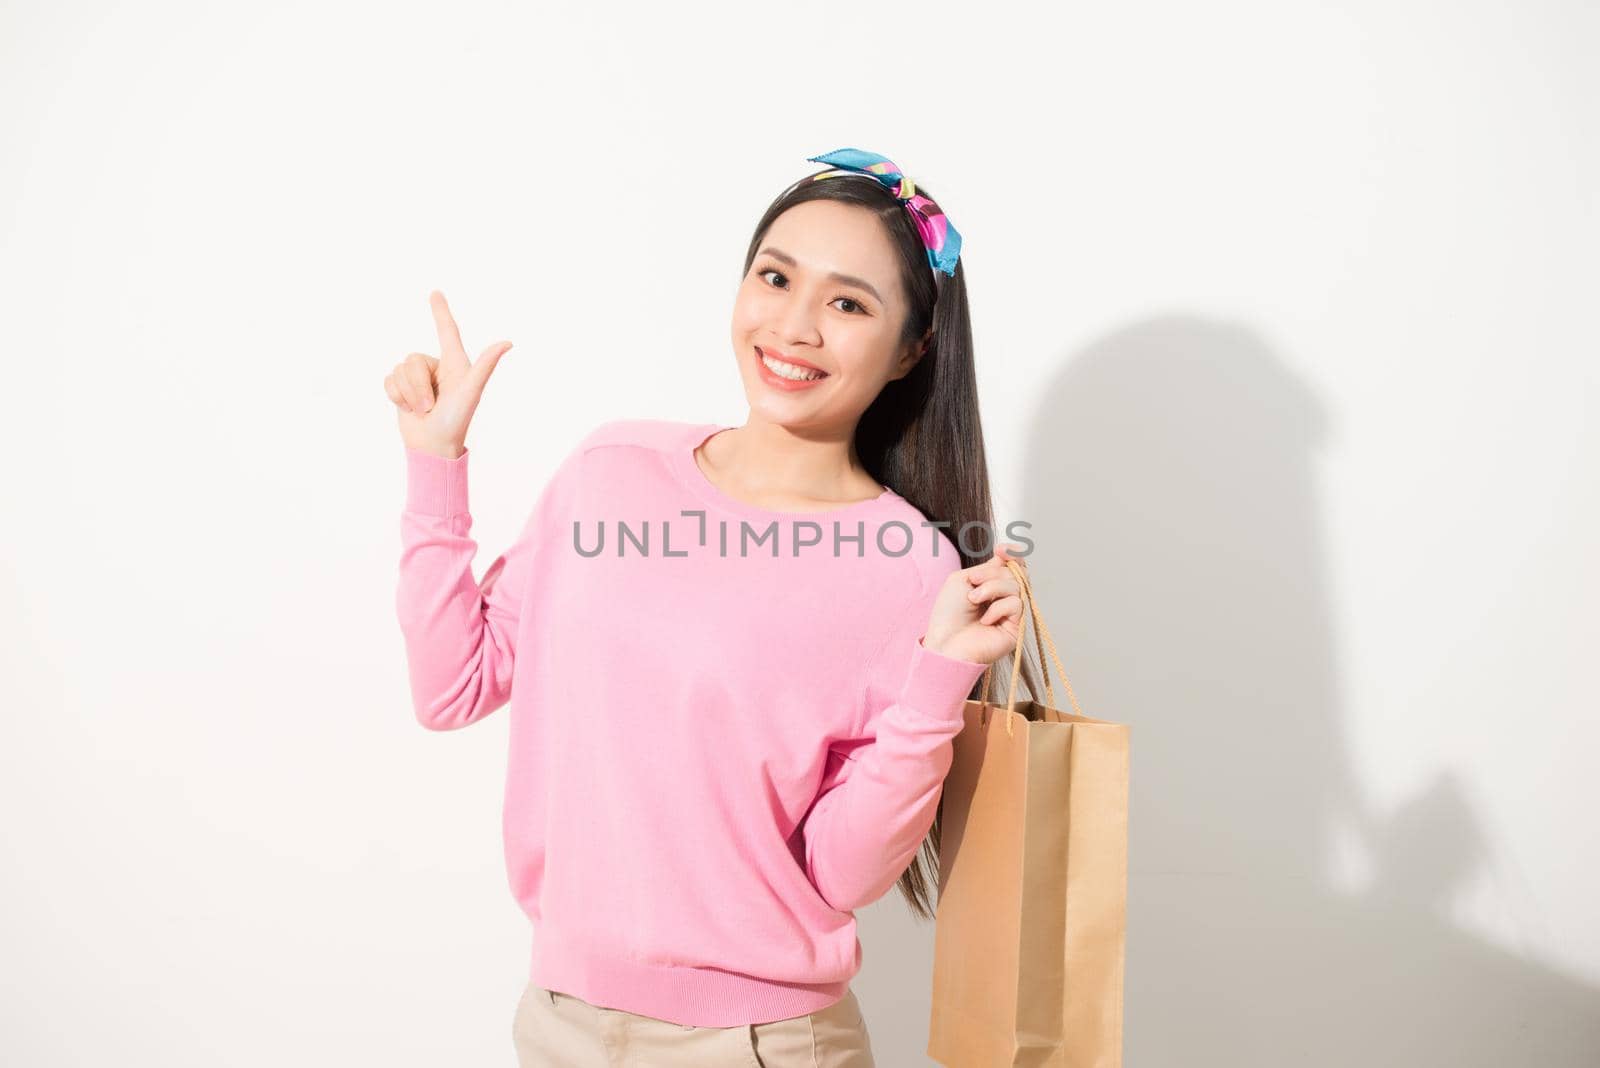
x=434, y=485
x=937, y=685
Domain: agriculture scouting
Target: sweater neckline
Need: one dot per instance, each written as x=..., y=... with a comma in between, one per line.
x=688, y=469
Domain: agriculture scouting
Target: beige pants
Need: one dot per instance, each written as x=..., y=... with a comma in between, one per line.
x=556, y=1030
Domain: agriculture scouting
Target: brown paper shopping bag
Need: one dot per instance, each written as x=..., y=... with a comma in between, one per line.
x=1031, y=917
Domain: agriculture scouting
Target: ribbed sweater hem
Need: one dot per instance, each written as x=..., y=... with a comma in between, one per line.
x=704, y=997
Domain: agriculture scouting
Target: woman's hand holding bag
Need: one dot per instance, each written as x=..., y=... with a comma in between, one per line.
x=978, y=613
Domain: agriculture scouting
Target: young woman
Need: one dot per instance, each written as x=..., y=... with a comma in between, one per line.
x=735, y=656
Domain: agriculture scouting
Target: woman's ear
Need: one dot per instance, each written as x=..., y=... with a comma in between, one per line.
x=914, y=351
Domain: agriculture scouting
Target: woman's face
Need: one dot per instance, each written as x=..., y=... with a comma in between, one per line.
x=823, y=292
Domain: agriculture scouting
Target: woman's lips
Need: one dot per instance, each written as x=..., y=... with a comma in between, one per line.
x=791, y=360
x=777, y=381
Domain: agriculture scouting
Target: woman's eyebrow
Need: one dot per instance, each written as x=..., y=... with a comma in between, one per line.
x=847, y=279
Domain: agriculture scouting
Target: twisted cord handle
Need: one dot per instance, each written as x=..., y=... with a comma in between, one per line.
x=1042, y=638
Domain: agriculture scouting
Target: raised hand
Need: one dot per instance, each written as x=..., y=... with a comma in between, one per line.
x=436, y=396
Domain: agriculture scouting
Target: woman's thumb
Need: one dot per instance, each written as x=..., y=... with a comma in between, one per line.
x=485, y=364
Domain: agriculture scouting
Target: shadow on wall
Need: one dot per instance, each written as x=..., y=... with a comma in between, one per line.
x=1172, y=487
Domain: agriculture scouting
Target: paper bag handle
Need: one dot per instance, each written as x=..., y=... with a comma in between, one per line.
x=1041, y=638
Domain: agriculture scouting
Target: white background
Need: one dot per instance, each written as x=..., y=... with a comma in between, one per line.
x=1285, y=324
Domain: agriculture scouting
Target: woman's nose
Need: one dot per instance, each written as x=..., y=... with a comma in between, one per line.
x=798, y=322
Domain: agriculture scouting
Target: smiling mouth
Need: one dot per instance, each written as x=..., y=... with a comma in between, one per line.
x=792, y=372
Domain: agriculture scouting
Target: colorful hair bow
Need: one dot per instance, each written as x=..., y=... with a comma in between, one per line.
x=940, y=238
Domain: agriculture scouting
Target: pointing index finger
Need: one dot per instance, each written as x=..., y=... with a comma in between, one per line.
x=449, y=337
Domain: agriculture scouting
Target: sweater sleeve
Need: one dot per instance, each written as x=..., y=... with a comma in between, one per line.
x=460, y=633
x=880, y=792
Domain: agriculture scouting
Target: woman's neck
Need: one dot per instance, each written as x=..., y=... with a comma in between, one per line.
x=768, y=461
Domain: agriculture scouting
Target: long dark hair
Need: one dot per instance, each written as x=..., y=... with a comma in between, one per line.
x=921, y=436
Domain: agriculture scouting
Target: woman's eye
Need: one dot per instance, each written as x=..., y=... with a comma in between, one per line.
x=859, y=308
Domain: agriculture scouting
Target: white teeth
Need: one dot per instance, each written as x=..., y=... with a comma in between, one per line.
x=789, y=370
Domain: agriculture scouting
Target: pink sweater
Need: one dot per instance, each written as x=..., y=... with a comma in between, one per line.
x=715, y=755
